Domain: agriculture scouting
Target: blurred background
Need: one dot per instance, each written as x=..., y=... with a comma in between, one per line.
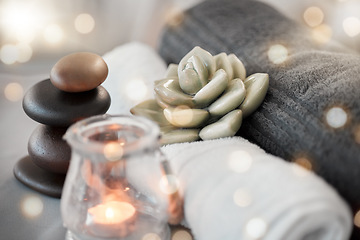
x=36, y=33
x=41, y=31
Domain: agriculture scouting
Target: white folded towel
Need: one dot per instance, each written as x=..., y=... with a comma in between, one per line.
x=232, y=189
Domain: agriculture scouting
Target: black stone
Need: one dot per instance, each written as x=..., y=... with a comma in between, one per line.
x=40, y=180
x=48, y=150
x=47, y=104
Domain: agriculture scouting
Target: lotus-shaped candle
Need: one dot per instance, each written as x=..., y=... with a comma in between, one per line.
x=203, y=97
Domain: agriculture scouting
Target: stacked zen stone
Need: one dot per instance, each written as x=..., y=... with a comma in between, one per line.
x=72, y=93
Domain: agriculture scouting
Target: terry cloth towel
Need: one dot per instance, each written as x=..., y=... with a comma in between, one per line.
x=232, y=189
x=313, y=90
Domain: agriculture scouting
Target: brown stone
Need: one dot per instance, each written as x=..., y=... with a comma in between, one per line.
x=79, y=72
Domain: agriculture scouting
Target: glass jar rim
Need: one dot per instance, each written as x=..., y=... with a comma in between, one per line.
x=78, y=141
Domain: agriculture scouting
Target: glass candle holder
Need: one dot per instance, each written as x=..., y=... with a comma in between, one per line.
x=118, y=185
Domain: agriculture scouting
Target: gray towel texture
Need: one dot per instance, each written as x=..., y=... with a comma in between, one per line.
x=292, y=121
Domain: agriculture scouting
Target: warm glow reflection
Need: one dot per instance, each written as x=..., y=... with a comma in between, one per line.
x=84, y=23
x=304, y=162
x=9, y=54
x=242, y=198
x=277, y=53
x=357, y=219
x=169, y=184
x=313, y=16
x=151, y=236
x=336, y=117
x=182, y=235
x=174, y=17
x=32, y=206
x=299, y=171
x=136, y=89
x=256, y=228
x=24, y=52
x=113, y=151
x=53, y=34
x=240, y=161
x=14, y=92
x=351, y=26
x=357, y=134
x=182, y=115
x=322, y=34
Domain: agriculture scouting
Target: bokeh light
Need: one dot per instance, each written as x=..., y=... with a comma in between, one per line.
x=9, y=53
x=277, y=54
x=304, y=162
x=24, y=52
x=21, y=20
x=322, y=33
x=351, y=26
x=313, y=16
x=26, y=35
x=113, y=151
x=357, y=219
x=136, y=89
x=256, y=228
x=242, y=198
x=53, y=34
x=174, y=17
x=32, y=206
x=169, y=184
x=336, y=117
x=151, y=236
x=240, y=161
x=14, y=92
x=181, y=235
x=84, y=23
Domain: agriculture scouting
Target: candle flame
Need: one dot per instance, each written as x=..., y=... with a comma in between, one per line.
x=112, y=212
x=109, y=213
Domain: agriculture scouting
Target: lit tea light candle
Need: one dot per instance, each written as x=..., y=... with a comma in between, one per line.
x=111, y=219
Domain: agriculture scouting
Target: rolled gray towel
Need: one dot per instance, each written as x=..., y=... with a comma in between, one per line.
x=312, y=108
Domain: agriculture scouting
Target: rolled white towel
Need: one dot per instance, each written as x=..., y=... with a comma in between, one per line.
x=234, y=190
x=133, y=68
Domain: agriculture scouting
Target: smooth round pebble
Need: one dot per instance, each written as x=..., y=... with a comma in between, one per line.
x=79, y=72
x=48, y=150
x=48, y=105
x=38, y=179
